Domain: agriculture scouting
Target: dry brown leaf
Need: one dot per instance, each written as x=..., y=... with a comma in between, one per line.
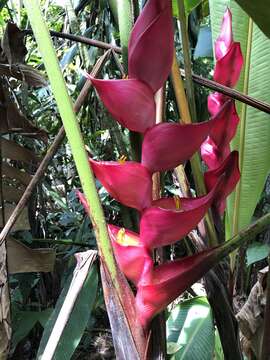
x=11, y=194
x=13, y=44
x=22, y=259
x=13, y=173
x=12, y=120
x=11, y=150
x=17, y=122
x=85, y=261
x=22, y=222
x=5, y=327
x=24, y=73
x=250, y=317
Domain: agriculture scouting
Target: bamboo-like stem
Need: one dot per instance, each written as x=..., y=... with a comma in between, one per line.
x=158, y=326
x=81, y=39
x=125, y=21
x=187, y=62
x=65, y=242
x=183, y=108
x=248, y=233
x=73, y=134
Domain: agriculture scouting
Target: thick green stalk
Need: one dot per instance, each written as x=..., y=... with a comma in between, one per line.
x=125, y=20
x=187, y=62
x=248, y=233
x=72, y=131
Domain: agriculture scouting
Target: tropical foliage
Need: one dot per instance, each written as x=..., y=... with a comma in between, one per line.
x=115, y=242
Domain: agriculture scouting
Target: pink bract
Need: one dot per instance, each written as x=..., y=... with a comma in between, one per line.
x=225, y=39
x=131, y=255
x=130, y=102
x=168, y=281
x=229, y=170
x=163, y=226
x=150, y=47
x=129, y=183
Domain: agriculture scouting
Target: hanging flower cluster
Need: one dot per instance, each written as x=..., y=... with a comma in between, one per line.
x=165, y=146
x=227, y=71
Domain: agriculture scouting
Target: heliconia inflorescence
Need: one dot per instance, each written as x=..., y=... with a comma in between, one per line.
x=165, y=146
x=229, y=62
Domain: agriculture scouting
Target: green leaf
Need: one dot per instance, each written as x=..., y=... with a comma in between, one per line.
x=172, y=348
x=219, y=355
x=189, y=6
x=78, y=319
x=24, y=321
x=190, y=326
x=253, y=138
x=256, y=252
x=259, y=11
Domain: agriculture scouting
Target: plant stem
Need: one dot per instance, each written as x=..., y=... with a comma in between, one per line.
x=81, y=39
x=186, y=53
x=125, y=20
x=183, y=108
x=209, y=84
x=248, y=233
x=62, y=242
x=73, y=134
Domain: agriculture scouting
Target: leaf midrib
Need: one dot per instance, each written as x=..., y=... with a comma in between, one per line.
x=236, y=210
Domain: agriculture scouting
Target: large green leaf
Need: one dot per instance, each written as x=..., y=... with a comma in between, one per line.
x=256, y=252
x=78, y=319
x=24, y=321
x=189, y=6
x=190, y=330
x=259, y=11
x=253, y=139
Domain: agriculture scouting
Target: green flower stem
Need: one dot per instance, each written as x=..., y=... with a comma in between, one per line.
x=185, y=117
x=248, y=233
x=125, y=21
x=187, y=62
x=73, y=132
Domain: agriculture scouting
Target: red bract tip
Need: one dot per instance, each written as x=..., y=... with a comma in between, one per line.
x=129, y=182
x=216, y=147
x=168, y=281
x=167, y=145
x=130, y=253
x=129, y=101
x=150, y=51
x=163, y=226
x=225, y=39
x=215, y=102
x=231, y=175
x=228, y=68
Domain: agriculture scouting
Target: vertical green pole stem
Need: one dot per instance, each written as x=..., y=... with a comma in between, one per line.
x=187, y=62
x=72, y=131
x=125, y=21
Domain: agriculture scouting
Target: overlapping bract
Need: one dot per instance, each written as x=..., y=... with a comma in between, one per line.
x=150, y=55
x=227, y=72
x=167, y=220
